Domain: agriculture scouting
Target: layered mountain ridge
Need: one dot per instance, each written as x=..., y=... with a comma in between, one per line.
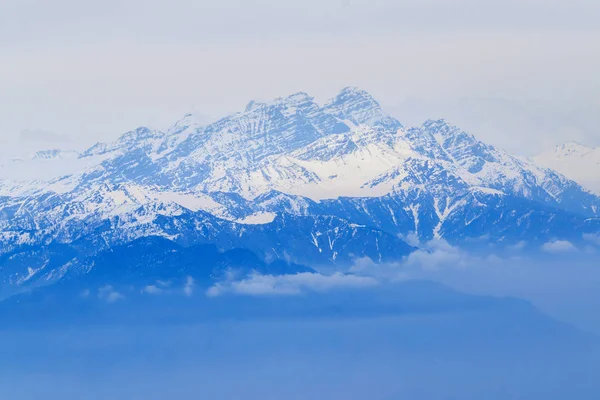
x=576, y=161
x=293, y=180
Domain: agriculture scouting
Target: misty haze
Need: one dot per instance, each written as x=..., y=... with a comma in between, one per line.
x=374, y=200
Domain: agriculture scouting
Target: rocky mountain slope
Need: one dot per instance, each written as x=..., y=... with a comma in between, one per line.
x=289, y=179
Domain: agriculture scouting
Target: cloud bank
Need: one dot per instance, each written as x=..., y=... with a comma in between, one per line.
x=559, y=246
x=109, y=294
x=291, y=284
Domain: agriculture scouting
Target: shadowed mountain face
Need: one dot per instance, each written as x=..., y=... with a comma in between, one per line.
x=151, y=263
x=291, y=180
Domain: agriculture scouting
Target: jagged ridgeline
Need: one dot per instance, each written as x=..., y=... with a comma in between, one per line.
x=292, y=180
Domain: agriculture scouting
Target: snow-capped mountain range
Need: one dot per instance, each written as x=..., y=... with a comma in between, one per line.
x=576, y=161
x=290, y=179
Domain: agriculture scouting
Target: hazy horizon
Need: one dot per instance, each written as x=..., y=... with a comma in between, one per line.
x=519, y=75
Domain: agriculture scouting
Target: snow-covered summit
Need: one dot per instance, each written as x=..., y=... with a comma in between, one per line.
x=135, y=139
x=359, y=107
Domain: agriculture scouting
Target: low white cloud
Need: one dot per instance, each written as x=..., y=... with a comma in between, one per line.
x=435, y=258
x=152, y=289
x=591, y=238
x=432, y=259
x=114, y=296
x=388, y=272
x=109, y=294
x=412, y=238
x=188, y=287
x=291, y=284
x=439, y=254
x=159, y=287
x=559, y=246
x=519, y=246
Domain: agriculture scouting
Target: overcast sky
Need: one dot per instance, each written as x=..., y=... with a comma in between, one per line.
x=521, y=74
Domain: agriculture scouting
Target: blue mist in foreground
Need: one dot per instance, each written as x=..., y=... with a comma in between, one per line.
x=415, y=339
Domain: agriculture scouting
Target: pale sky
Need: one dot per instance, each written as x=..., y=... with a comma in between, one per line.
x=522, y=75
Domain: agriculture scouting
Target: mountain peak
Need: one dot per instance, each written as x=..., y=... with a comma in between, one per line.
x=571, y=148
x=442, y=128
x=253, y=105
x=353, y=94
x=54, y=154
x=354, y=91
x=188, y=120
x=359, y=107
x=141, y=133
x=129, y=140
x=437, y=123
x=299, y=99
